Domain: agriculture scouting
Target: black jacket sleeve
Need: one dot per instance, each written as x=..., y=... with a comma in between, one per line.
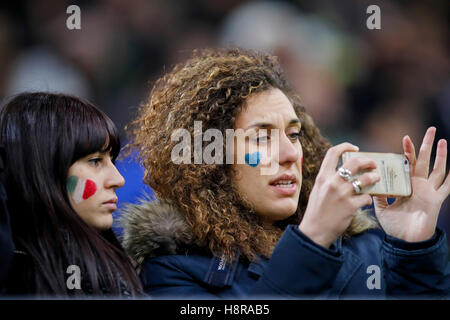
x=6, y=243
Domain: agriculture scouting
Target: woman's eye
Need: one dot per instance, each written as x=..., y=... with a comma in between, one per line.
x=294, y=135
x=95, y=161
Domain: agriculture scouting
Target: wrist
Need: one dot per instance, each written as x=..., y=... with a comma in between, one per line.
x=318, y=237
x=409, y=246
x=413, y=237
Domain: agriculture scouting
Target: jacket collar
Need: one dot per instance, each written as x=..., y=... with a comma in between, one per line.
x=153, y=228
x=220, y=273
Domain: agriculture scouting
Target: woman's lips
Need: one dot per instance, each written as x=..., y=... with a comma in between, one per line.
x=110, y=205
x=287, y=190
x=285, y=184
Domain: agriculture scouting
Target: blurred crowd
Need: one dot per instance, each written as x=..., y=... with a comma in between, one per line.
x=369, y=87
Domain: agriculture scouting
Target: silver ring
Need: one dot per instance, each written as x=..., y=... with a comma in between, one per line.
x=345, y=173
x=357, y=186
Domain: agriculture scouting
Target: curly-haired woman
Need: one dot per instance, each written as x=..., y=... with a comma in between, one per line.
x=231, y=231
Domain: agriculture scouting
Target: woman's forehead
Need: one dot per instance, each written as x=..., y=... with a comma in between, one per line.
x=267, y=107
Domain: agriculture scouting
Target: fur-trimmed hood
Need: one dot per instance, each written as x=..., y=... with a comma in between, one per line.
x=152, y=228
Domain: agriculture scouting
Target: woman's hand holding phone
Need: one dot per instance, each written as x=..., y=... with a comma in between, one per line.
x=414, y=218
x=333, y=201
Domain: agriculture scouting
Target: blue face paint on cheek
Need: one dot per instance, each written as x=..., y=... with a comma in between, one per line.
x=253, y=159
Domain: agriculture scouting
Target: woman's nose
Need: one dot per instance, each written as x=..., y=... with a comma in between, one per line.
x=288, y=151
x=115, y=179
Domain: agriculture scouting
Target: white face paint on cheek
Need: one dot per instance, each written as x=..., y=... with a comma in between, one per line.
x=80, y=189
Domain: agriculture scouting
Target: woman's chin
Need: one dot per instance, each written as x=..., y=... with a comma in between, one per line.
x=102, y=225
x=280, y=210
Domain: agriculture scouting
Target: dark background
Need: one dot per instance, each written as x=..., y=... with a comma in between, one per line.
x=369, y=87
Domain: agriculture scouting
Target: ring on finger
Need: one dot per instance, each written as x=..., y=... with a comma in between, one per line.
x=357, y=186
x=345, y=173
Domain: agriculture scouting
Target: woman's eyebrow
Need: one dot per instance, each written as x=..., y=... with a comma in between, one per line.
x=260, y=125
x=104, y=153
x=270, y=125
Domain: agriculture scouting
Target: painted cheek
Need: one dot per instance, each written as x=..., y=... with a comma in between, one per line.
x=253, y=159
x=80, y=189
x=89, y=189
x=71, y=184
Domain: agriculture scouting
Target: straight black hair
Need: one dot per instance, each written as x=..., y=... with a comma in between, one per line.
x=43, y=135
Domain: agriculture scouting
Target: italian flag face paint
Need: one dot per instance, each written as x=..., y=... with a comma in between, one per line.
x=80, y=189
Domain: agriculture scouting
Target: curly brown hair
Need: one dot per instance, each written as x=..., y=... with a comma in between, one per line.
x=212, y=87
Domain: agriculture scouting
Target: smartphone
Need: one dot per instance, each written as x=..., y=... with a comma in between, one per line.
x=394, y=172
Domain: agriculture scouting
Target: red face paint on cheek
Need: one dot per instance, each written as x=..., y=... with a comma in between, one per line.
x=89, y=189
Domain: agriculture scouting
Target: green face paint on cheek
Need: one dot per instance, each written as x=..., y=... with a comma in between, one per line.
x=71, y=184
x=80, y=189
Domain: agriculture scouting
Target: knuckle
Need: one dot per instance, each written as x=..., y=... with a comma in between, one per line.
x=365, y=162
x=372, y=177
x=358, y=162
x=364, y=179
x=342, y=195
x=365, y=200
x=320, y=179
x=331, y=151
x=332, y=185
x=349, y=190
x=355, y=162
x=348, y=145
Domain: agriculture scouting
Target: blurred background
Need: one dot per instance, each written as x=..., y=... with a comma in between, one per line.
x=369, y=87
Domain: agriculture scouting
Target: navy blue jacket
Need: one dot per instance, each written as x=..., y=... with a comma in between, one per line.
x=368, y=265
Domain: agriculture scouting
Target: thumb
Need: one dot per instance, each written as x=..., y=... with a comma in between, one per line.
x=410, y=153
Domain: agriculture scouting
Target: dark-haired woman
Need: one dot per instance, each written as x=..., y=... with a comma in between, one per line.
x=60, y=181
x=241, y=229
